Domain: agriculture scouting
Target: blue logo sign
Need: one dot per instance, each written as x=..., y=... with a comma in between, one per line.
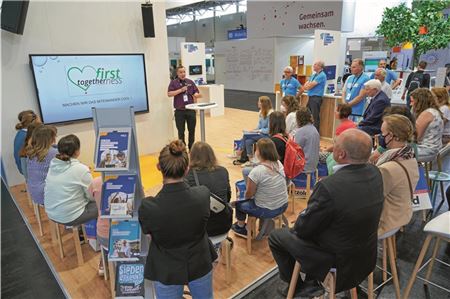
x=327, y=38
x=191, y=48
x=237, y=34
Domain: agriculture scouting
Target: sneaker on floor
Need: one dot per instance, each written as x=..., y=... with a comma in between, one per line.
x=101, y=270
x=238, y=230
x=310, y=289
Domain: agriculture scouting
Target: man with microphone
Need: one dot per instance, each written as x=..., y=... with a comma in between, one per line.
x=184, y=92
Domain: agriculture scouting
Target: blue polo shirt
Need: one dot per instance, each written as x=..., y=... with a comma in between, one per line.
x=353, y=86
x=289, y=87
x=319, y=89
x=390, y=75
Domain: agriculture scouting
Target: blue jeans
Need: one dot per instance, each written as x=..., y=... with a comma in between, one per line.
x=201, y=288
x=249, y=207
x=245, y=172
x=249, y=140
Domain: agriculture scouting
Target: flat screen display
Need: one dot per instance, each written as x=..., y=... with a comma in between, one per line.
x=68, y=86
x=371, y=64
x=195, y=70
x=330, y=71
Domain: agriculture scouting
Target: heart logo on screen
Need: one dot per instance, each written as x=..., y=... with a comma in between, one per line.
x=78, y=77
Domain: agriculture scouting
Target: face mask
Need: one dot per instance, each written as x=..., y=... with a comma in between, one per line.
x=382, y=140
x=283, y=109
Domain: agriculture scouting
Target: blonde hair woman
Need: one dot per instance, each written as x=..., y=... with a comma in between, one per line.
x=442, y=100
x=399, y=170
x=262, y=130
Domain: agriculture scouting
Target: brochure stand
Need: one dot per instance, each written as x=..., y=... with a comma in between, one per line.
x=108, y=119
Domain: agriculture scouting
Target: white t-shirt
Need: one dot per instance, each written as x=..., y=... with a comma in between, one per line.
x=446, y=112
x=387, y=89
x=291, y=123
x=271, y=188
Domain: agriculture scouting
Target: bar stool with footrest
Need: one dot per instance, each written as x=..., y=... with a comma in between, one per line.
x=439, y=227
x=264, y=230
x=307, y=180
x=226, y=246
x=76, y=239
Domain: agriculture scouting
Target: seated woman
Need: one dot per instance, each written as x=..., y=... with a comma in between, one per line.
x=342, y=113
x=23, y=151
x=262, y=130
x=266, y=193
x=400, y=110
x=429, y=123
x=40, y=153
x=67, y=199
x=203, y=165
x=399, y=170
x=180, y=252
x=289, y=106
x=442, y=100
x=26, y=118
x=308, y=138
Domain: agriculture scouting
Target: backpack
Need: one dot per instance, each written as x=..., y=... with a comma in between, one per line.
x=294, y=157
x=416, y=81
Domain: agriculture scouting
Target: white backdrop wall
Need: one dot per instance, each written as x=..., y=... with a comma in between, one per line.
x=85, y=27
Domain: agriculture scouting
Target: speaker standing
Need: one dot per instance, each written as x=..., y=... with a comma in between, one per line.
x=184, y=92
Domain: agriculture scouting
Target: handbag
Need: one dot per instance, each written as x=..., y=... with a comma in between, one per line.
x=419, y=200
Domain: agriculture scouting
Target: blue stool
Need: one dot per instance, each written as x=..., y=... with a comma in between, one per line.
x=303, y=180
x=436, y=178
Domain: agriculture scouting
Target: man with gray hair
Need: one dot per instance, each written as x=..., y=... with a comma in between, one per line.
x=316, y=88
x=391, y=76
x=338, y=228
x=380, y=74
x=289, y=85
x=373, y=115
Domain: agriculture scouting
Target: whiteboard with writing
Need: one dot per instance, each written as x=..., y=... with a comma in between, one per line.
x=245, y=64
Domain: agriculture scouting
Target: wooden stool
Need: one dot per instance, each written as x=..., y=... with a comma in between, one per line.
x=308, y=188
x=251, y=228
x=225, y=252
x=37, y=212
x=76, y=239
x=332, y=283
x=438, y=227
x=389, y=250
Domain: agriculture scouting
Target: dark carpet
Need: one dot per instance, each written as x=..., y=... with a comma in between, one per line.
x=409, y=244
x=25, y=273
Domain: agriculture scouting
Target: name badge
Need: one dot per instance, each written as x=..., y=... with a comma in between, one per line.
x=185, y=98
x=347, y=96
x=356, y=84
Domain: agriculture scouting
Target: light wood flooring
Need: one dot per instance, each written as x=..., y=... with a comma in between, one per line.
x=83, y=282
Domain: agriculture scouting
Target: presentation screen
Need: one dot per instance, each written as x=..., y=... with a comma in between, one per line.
x=68, y=86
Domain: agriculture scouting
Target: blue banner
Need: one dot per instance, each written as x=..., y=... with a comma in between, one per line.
x=237, y=34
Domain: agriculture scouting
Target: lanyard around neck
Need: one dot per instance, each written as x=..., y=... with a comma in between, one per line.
x=355, y=80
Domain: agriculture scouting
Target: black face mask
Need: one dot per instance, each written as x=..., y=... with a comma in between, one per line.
x=382, y=140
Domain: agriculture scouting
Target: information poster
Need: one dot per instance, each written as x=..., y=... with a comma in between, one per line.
x=118, y=196
x=124, y=240
x=130, y=279
x=112, y=149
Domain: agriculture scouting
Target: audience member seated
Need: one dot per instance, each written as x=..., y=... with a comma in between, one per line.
x=67, y=199
x=203, y=164
x=26, y=118
x=401, y=110
x=262, y=130
x=266, y=193
x=23, y=151
x=373, y=114
x=95, y=189
x=429, y=123
x=40, y=153
x=180, y=252
x=338, y=228
x=289, y=106
x=442, y=100
x=308, y=138
x=380, y=75
x=398, y=166
x=342, y=114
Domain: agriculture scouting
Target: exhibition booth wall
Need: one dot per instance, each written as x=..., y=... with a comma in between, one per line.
x=85, y=28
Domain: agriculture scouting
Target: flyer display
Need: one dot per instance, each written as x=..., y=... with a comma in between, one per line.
x=113, y=149
x=118, y=196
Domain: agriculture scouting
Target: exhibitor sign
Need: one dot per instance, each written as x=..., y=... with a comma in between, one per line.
x=294, y=18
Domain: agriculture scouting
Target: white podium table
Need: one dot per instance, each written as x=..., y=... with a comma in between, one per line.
x=201, y=107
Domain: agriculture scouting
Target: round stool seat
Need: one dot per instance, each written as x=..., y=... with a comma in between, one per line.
x=439, y=176
x=219, y=238
x=439, y=225
x=389, y=234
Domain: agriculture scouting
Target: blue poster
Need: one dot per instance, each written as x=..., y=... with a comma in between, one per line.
x=118, y=196
x=130, y=279
x=112, y=149
x=124, y=240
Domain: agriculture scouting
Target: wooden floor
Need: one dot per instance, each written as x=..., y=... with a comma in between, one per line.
x=83, y=282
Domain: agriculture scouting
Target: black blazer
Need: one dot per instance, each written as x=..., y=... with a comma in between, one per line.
x=342, y=218
x=176, y=218
x=218, y=182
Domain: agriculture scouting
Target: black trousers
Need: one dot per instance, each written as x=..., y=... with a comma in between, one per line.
x=287, y=248
x=314, y=103
x=181, y=118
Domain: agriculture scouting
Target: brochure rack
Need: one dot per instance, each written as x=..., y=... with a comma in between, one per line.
x=109, y=119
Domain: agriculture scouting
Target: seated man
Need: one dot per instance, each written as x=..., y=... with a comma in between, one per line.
x=338, y=228
x=373, y=115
